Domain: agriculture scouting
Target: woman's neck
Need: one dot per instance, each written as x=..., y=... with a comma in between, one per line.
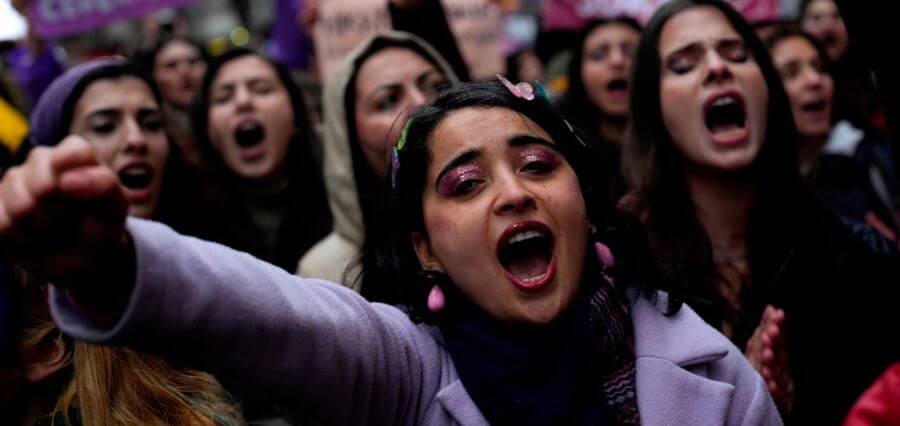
x=721, y=204
x=808, y=151
x=613, y=129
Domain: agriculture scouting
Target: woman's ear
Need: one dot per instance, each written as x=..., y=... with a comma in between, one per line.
x=427, y=260
x=45, y=358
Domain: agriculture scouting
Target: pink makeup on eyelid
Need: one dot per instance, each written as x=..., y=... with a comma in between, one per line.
x=541, y=154
x=456, y=177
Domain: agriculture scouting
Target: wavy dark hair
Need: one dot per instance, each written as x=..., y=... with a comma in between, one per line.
x=394, y=260
x=310, y=217
x=655, y=168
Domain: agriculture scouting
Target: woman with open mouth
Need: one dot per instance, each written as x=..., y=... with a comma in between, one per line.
x=116, y=111
x=264, y=192
x=527, y=298
x=713, y=163
x=598, y=94
x=856, y=96
x=851, y=170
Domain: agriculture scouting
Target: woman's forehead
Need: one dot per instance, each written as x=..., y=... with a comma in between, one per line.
x=695, y=25
x=480, y=128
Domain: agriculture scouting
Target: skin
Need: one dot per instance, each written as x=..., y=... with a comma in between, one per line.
x=703, y=56
x=607, y=54
x=389, y=85
x=247, y=89
x=177, y=70
x=530, y=67
x=468, y=208
x=806, y=81
x=823, y=21
x=123, y=122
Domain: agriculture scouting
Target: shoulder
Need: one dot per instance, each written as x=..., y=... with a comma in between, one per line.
x=328, y=259
x=687, y=369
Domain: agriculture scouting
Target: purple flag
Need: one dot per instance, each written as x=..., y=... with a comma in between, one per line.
x=56, y=18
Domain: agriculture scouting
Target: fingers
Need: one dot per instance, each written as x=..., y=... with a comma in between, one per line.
x=88, y=183
x=72, y=152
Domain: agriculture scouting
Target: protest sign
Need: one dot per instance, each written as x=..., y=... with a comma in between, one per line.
x=341, y=25
x=57, y=18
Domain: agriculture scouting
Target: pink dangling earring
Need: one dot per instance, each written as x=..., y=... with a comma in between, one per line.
x=436, y=299
x=604, y=255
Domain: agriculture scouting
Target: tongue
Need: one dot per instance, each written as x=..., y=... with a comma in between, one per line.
x=724, y=128
x=528, y=266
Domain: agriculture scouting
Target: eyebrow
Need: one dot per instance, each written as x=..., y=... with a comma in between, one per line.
x=390, y=86
x=525, y=140
x=696, y=46
x=425, y=74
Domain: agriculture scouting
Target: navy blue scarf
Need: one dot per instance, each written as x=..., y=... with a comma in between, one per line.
x=578, y=370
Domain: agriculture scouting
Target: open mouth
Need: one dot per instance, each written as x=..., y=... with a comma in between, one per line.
x=618, y=86
x=526, y=253
x=249, y=134
x=726, y=118
x=136, y=177
x=815, y=106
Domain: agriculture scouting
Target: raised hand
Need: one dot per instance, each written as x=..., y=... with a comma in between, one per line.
x=767, y=352
x=62, y=217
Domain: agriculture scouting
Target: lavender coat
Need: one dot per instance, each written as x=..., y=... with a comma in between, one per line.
x=321, y=349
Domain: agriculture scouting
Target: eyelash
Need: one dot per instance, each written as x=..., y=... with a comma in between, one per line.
x=682, y=65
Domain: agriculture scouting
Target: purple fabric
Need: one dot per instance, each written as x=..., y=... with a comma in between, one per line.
x=33, y=74
x=46, y=117
x=57, y=18
x=289, y=45
x=320, y=349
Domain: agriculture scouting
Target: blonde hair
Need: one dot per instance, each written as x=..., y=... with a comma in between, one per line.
x=118, y=386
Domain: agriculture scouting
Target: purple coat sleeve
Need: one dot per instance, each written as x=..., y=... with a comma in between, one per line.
x=305, y=344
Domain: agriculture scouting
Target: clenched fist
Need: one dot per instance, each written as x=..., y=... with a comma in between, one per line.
x=62, y=217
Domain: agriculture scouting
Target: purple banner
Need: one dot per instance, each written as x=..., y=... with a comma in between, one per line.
x=56, y=18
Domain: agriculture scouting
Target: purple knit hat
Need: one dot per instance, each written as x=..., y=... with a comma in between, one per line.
x=47, y=116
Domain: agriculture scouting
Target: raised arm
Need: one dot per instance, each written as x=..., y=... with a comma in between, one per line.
x=304, y=344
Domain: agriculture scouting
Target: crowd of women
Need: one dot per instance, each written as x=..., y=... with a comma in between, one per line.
x=701, y=230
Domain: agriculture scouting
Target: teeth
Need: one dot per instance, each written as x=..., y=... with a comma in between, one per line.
x=135, y=171
x=725, y=100
x=522, y=236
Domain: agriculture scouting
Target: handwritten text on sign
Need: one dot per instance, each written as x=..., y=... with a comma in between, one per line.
x=342, y=24
x=57, y=18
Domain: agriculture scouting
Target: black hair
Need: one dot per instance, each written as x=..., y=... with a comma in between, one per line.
x=313, y=219
x=655, y=165
x=393, y=259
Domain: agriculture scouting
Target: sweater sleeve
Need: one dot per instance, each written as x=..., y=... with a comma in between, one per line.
x=308, y=345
